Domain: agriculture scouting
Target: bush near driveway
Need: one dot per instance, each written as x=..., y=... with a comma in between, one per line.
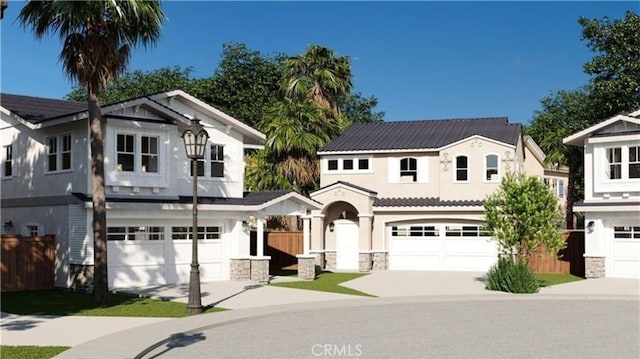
x=507, y=276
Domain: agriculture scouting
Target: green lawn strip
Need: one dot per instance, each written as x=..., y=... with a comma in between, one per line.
x=549, y=279
x=62, y=302
x=29, y=352
x=327, y=282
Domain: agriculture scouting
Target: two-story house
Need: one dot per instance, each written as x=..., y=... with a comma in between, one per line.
x=409, y=195
x=47, y=189
x=611, y=204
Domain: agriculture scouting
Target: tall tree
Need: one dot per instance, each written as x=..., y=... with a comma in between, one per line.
x=97, y=40
x=614, y=87
x=319, y=75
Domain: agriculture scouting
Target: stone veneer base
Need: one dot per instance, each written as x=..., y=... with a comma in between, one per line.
x=594, y=267
x=306, y=267
x=364, y=261
x=260, y=269
x=240, y=269
x=380, y=261
x=330, y=260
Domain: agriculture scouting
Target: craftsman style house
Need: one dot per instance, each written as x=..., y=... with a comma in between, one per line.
x=46, y=188
x=611, y=204
x=409, y=195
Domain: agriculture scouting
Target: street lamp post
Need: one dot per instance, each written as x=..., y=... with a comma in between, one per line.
x=195, y=143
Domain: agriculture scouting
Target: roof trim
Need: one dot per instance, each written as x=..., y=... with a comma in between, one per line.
x=577, y=139
x=472, y=137
x=343, y=184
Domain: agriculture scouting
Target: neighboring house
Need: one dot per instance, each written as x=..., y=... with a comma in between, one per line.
x=409, y=195
x=611, y=204
x=46, y=188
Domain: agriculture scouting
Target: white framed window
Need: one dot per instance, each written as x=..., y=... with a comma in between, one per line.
x=205, y=232
x=614, y=160
x=58, y=153
x=634, y=162
x=217, y=160
x=408, y=170
x=137, y=153
x=135, y=233
x=348, y=164
x=332, y=165
x=626, y=232
x=7, y=164
x=491, y=168
x=462, y=168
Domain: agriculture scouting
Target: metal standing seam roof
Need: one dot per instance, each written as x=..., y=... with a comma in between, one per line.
x=424, y=202
x=422, y=134
x=38, y=109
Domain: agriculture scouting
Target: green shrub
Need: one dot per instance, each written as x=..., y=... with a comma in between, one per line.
x=507, y=276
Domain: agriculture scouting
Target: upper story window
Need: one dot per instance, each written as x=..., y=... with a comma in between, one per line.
x=614, y=158
x=634, y=162
x=462, y=168
x=58, y=153
x=215, y=160
x=348, y=164
x=8, y=161
x=491, y=168
x=144, y=157
x=409, y=169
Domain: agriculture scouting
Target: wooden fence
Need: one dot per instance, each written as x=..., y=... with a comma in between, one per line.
x=568, y=261
x=27, y=263
x=281, y=246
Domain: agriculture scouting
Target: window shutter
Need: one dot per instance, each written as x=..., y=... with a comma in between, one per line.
x=394, y=170
x=423, y=169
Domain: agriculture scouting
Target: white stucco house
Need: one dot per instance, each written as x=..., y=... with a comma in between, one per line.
x=611, y=204
x=46, y=188
x=409, y=195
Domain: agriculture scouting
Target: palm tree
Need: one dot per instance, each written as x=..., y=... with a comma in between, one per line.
x=97, y=40
x=319, y=75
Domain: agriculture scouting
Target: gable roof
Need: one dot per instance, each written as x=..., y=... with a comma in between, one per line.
x=577, y=139
x=38, y=109
x=427, y=134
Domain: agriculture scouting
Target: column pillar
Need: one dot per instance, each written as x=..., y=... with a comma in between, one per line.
x=317, y=239
x=260, y=237
x=365, y=256
x=305, y=235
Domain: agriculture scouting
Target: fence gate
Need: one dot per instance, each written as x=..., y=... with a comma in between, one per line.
x=282, y=246
x=27, y=263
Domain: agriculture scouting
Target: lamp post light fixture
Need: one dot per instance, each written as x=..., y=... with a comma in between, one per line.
x=195, y=143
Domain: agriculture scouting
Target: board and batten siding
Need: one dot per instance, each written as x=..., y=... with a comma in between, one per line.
x=80, y=243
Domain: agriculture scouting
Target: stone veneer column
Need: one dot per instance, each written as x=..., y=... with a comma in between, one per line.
x=319, y=260
x=240, y=269
x=330, y=260
x=364, y=261
x=380, y=261
x=594, y=267
x=306, y=267
x=260, y=269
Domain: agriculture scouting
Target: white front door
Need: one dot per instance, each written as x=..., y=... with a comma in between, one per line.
x=347, y=248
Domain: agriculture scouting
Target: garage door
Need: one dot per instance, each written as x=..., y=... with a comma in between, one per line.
x=441, y=246
x=626, y=252
x=145, y=255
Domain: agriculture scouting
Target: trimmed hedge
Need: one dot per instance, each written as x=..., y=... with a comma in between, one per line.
x=506, y=276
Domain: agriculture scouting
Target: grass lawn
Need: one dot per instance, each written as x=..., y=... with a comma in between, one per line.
x=62, y=302
x=549, y=279
x=327, y=282
x=29, y=352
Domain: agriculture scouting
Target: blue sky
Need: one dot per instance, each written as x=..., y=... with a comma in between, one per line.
x=422, y=60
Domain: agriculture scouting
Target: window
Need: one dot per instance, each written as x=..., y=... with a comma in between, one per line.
x=126, y=153
x=560, y=189
x=58, y=153
x=614, y=157
x=409, y=169
x=32, y=230
x=634, y=162
x=180, y=233
x=363, y=164
x=8, y=161
x=332, y=165
x=491, y=168
x=347, y=164
x=462, y=168
x=217, y=161
x=626, y=232
x=466, y=231
x=149, y=151
x=414, y=231
x=140, y=233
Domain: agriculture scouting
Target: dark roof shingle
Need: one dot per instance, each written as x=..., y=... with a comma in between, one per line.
x=424, y=202
x=425, y=134
x=248, y=199
x=38, y=109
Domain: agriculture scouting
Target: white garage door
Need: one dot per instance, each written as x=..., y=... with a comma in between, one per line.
x=145, y=256
x=441, y=246
x=626, y=252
